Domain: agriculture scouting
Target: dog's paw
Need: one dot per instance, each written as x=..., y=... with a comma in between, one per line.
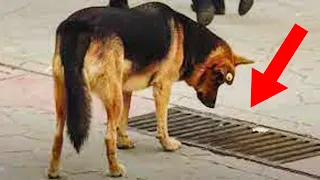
x=53, y=174
x=124, y=143
x=119, y=171
x=171, y=144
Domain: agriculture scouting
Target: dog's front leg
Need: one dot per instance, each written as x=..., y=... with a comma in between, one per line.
x=161, y=93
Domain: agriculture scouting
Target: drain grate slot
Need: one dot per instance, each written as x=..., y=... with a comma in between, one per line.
x=232, y=136
x=222, y=134
x=276, y=148
x=266, y=145
x=280, y=154
x=194, y=135
x=258, y=138
x=244, y=137
x=185, y=127
x=299, y=157
x=150, y=126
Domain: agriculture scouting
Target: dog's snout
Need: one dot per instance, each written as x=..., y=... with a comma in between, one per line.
x=209, y=102
x=199, y=94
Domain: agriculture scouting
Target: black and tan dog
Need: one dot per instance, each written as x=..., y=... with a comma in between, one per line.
x=113, y=52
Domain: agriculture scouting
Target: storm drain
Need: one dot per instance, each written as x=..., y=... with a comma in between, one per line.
x=232, y=136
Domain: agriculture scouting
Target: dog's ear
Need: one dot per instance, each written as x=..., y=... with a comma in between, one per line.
x=239, y=60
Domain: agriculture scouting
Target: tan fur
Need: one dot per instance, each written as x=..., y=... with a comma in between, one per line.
x=60, y=98
x=60, y=102
x=218, y=56
x=239, y=60
x=139, y=80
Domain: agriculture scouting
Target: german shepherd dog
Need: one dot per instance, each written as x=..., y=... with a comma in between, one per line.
x=115, y=51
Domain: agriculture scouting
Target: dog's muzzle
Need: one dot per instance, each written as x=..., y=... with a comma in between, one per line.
x=209, y=102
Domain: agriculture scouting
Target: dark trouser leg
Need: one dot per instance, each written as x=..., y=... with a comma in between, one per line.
x=119, y=3
x=205, y=11
x=219, y=5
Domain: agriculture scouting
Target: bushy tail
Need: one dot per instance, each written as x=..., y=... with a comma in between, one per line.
x=75, y=41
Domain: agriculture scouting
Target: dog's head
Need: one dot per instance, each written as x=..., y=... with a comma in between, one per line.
x=217, y=69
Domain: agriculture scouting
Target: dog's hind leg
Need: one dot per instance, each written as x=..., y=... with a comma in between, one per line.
x=114, y=107
x=60, y=103
x=123, y=140
x=107, y=78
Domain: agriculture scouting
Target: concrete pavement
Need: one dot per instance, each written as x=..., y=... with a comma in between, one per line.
x=26, y=108
x=27, y=128
x=27, y=40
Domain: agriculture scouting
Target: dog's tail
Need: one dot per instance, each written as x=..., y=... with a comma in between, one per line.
x=75, y=40
x=119, y=3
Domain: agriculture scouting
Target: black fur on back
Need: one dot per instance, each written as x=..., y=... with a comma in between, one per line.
x=199, y=41
x=146, y=35
x=146, y=32
x=75, y=40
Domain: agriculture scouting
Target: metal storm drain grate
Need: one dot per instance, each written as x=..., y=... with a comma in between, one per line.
x=233, y=137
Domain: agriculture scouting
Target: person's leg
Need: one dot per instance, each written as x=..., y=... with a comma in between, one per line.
x=119, y=3
x=204, y=10
x=245, y=6
x=219, y=5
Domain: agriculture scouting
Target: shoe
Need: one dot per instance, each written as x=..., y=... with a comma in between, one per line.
x=204, y=10
x=220, y=8
x=244, y=6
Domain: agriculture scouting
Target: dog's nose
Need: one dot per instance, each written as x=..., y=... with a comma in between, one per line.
x=211, y=104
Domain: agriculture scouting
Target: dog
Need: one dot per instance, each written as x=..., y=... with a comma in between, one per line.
x=113, y=52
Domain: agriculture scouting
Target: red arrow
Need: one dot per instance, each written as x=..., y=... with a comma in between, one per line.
x=265, y=85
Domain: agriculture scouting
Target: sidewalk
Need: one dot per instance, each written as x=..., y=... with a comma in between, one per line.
x=26, y=105
x=27, y=129
x=27, y=41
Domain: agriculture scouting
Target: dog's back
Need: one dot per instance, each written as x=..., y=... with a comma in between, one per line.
x=145, y=30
